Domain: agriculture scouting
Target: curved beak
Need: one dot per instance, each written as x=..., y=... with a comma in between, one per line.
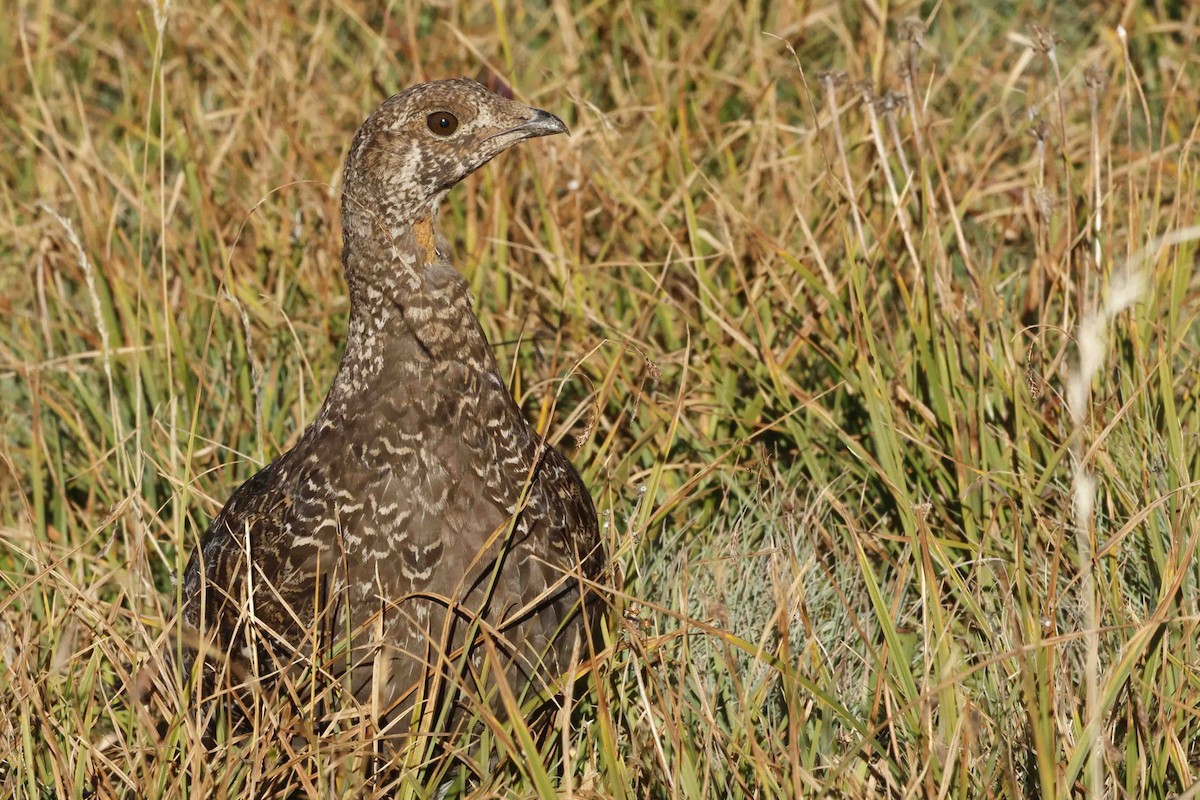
x=543, y=124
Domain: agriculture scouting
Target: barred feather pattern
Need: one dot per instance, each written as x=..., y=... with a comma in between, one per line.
x=419, y=505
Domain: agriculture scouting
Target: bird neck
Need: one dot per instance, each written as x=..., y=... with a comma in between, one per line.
x=411, y=314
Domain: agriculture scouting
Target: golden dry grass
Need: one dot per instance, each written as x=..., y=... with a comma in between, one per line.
x=862, y=328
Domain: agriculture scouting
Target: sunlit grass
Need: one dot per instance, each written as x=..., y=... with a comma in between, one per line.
x=863, y=331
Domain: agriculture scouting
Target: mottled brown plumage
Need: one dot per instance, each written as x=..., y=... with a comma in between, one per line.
x=419, y=488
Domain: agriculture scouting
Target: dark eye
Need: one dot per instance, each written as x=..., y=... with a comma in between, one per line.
x=443, y=123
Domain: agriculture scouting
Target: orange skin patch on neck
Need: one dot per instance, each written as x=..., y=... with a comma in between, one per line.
x=423, y=233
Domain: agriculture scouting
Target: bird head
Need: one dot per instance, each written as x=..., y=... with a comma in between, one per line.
x=421, y=142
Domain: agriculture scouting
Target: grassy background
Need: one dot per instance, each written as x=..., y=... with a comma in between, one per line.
x=860, y=330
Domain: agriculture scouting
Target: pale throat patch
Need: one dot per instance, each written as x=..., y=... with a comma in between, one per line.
x=426, y=240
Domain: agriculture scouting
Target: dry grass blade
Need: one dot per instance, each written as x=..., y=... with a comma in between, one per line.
x=895, y=460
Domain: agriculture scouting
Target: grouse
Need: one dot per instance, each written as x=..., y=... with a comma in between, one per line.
x=420, y=536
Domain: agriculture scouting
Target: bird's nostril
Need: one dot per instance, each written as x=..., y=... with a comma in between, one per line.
x=547, y=123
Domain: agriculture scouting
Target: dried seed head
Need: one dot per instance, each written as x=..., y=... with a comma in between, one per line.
x=890, y=102
x=1041, y=131
x=866, y=90
x=912, y=30
x=1033, y=383
x=1044, y=40
x=1044, y=203
x=582, y=437
x=1095, y=78
x=831, y=78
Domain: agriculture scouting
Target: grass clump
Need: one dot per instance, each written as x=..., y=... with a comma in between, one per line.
x=873, y=335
